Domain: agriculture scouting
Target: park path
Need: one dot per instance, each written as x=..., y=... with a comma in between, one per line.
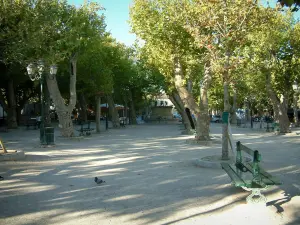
x=150, y=179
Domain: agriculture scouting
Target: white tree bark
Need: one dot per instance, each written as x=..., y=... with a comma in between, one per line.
x=204, y=113
x=113, y=112
x=64, y=111
x=233, y=109
x=279, y=108
x=225, y=152
x=175, y=99
x=189, y=101
x=295, y=101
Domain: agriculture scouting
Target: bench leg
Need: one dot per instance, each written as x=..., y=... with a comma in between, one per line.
x=255, y=192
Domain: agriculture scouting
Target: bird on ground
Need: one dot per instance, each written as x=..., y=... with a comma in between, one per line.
x=1, y=178
x=99, y=181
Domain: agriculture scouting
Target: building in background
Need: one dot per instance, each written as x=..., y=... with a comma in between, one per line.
x=161, y=108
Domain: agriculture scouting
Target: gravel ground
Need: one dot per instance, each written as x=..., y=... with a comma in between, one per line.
x=150, y=179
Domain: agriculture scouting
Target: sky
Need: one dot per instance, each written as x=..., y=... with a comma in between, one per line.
x=117, y=15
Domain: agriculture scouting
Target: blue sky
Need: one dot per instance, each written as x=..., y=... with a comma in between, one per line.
x=117, y=15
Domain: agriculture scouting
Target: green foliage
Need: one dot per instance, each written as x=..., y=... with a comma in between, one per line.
x=274, y=49
x=95, y=67
x=48, y=29
x=165, y=36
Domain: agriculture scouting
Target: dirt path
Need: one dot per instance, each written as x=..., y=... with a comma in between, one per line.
x=150, y=179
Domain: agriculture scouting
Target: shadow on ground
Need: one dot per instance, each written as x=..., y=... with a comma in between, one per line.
x=149, y=178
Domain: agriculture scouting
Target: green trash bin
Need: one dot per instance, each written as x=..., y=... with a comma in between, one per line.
x=49, y=135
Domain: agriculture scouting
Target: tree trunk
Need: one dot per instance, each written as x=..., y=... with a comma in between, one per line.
x=175, y=99
x=98, y=112
x=204, y=114
x=83, y=108
x=279, y=108
x=190, y=86
x=225, y=152
x=285, y=99
x=295, y=101
x=132, y=114
x=276, y=112
x=125, y=108
x=248, y=110
x=184, y=115
x=19, y=115
x=113, y=112
x=12, y=122
x=64, y=111
x=47, y=119
x=189, y=100
x=233, y=109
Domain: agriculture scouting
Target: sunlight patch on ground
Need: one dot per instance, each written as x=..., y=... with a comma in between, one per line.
x=75, y=217
x=30, y=173
x=115, y=161
x=34, y=188
x=125, y=197
x=160, y=162
x=175, y=138
x=221, y=176
x=78, y=190
x=296, y=186
x=294, y=171
x=62, y=172
x=168, y=181
x=207, y=187
x=115, y=170
x=145, y=143
x=58, y=199
x=283, y=169
x=223, y=186
x=34, y=217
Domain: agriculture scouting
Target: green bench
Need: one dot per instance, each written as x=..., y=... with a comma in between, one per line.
x=31, y=122
x=249, y=175
x=85, y=128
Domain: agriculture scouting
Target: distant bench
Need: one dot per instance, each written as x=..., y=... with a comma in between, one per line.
x=85, y=128
x=31, y=122
x=259, y=180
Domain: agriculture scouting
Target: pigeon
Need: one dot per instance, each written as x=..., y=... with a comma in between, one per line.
x=99, y=181
x=1, y=178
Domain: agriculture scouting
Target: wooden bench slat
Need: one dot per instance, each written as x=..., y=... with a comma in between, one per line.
x=267, y=178
x=232, y=174
x=247, y=150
